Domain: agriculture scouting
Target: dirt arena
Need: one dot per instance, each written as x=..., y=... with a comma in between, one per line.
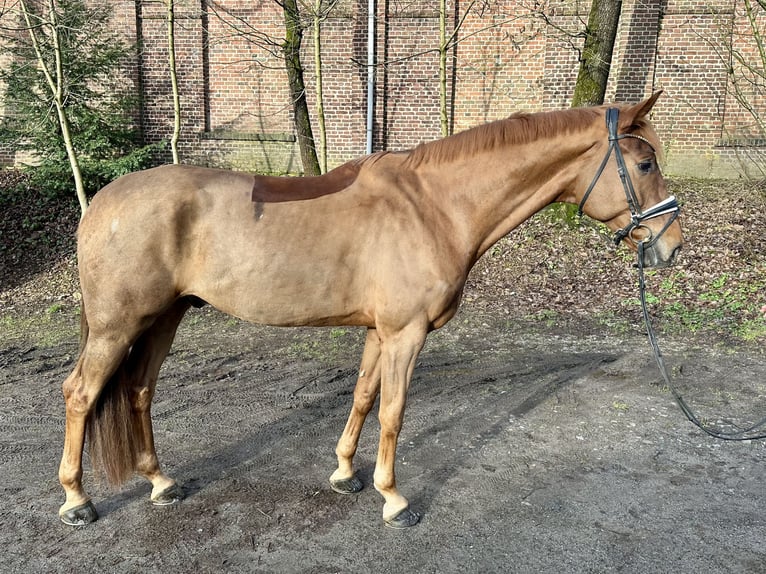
x=526, y=448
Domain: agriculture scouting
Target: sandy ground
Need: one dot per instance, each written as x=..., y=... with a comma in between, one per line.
x=525, y=448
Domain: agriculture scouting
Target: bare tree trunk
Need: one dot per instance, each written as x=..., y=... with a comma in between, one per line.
x=55, y=80
x=596, y=57
x=443, y=116
x=292, y=53
x=318, y=16
x=447, y=42
x=173, y=80
x=746, y=64
x=751, y=78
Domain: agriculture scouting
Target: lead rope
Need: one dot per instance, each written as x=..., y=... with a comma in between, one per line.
x=743, y=434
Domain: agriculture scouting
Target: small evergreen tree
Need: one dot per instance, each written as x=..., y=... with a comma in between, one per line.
x=78, y=41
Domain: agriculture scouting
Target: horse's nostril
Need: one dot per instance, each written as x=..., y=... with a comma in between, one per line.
x=675, y=253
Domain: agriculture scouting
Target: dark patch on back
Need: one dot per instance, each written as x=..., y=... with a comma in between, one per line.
x=273, y=189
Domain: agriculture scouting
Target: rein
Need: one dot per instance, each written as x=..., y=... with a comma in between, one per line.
x=742, y=434
x=667, y=206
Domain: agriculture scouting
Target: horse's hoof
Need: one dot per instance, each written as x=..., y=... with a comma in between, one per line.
x=79, y=515
x=170, y=495
x=404, y=519
x=347, y=485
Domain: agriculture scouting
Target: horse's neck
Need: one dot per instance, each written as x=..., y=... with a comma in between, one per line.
x=495, y=191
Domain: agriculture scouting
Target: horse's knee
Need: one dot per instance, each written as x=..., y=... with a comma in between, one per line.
x=363, y=405
x=364, y=397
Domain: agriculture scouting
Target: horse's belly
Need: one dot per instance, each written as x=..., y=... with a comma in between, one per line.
x=298, y=292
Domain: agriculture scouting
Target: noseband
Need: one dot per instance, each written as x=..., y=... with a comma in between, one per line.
x=637, y=217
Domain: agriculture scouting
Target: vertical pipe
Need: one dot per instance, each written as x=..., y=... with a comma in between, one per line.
x=370, y=72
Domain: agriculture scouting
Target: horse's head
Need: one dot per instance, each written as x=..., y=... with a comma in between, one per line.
x=627, y=190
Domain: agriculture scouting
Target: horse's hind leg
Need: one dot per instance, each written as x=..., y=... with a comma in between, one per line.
x=99, y=359
x=343, y=480
x=147, y=356
x=136, y=366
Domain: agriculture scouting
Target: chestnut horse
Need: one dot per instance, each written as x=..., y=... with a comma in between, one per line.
x=385, y=242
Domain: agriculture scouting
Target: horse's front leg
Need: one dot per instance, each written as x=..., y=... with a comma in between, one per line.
x=398, y=355
x=343, y=480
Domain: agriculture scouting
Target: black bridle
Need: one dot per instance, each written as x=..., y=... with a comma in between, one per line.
x=637, y=216
x=667, y=206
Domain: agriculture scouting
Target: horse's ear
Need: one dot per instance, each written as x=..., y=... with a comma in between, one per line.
x=632, y=114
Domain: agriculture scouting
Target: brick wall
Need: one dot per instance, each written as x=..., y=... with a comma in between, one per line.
x=236, y=108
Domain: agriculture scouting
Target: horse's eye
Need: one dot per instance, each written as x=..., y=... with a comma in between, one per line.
x=646, y=167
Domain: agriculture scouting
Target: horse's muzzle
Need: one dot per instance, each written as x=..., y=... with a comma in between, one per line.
x=653, y=257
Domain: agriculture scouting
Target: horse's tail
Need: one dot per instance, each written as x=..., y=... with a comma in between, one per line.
x=111, y=427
